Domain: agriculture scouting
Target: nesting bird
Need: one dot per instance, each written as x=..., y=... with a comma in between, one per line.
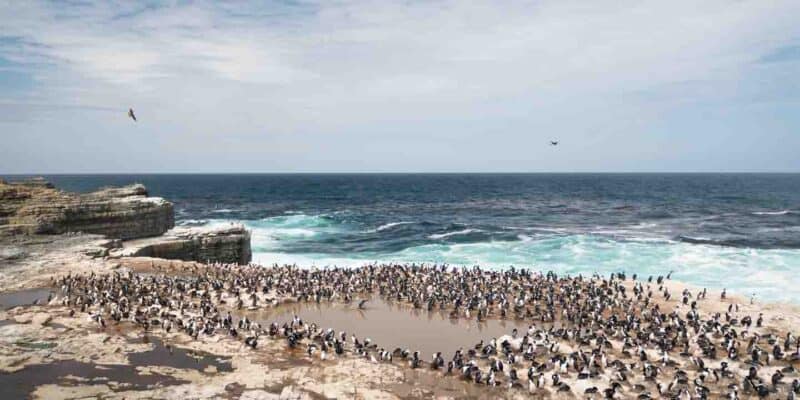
x=579, y=329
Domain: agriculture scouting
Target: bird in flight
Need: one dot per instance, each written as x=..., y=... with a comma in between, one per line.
x=131, y=114
x=553, y=143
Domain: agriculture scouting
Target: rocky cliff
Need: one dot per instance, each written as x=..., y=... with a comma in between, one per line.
x=138, y=225
x=36, y=207
x=227, y=244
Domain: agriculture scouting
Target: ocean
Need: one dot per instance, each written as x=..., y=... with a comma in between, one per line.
x=735, y=231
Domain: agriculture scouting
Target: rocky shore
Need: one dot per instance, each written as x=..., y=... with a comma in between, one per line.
x=132, y=222
x=88, y=348
x=36, y=207
x=183, y=315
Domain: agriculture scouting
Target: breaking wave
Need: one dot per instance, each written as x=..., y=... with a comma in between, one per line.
x=701, y=265
x=315, y=240
x=437, y=236
x=390, y=226
x=783, y=212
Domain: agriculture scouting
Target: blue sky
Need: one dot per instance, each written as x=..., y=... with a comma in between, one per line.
x=419, y=86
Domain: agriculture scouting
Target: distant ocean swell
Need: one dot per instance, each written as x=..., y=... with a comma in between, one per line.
x=337, y=239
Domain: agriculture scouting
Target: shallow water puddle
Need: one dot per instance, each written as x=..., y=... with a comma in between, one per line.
x=177, y=357
x=26, y=297
x=20, y=384
x=392, y=325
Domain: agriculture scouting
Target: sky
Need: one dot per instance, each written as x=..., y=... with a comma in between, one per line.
x=411, y=86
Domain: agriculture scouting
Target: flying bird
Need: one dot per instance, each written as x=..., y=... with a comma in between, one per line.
x=131, y=114
x=552, y=143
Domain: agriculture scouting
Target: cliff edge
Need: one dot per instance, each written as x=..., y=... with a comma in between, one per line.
x=226, y=244
x=135, y=224
x=36, y=207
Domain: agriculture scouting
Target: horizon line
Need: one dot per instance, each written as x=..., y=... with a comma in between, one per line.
x=404, y=173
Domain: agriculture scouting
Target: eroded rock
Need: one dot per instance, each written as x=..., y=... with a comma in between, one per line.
x=226, y=244
x=36, y=207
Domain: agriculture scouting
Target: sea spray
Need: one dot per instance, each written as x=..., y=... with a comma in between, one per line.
x=703, y=265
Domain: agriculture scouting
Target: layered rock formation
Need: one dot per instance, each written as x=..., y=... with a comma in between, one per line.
x=227, y=244
x=134, y=223
x=35, y=207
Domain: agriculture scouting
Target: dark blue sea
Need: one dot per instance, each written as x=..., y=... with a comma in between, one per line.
x=740, y=231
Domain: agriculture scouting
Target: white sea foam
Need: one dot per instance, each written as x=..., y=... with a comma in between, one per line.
x=273, y=233
x=648, y=239
x=223, y=211
x=697, y=238
x=193, y=222
x=715, y=267
x=781, y=229
x=437, y=236
x=767, y=272
x=389, y=226
x=538, y=229
x=782, y=212
x=524, y=238
x=613, y=232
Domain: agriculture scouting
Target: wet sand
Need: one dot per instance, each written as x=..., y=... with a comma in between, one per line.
x=392, y=325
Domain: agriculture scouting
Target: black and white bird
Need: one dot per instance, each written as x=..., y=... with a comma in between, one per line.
x=131, y=114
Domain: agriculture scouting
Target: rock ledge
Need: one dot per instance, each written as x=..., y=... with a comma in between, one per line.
x=134, y=224
x=36, y=207
x=227, y=244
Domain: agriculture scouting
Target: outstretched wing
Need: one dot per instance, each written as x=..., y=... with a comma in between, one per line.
x=131, y=114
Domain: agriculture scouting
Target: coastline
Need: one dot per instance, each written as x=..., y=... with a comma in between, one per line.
x=273, y=370
x=186, y=312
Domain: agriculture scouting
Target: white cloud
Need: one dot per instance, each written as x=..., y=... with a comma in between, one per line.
x=330, y=68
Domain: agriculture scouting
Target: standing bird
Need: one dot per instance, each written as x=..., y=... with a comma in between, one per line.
x=131, y=114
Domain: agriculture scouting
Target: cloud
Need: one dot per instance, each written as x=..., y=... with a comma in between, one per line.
x=783, y=54
x=294, y=71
